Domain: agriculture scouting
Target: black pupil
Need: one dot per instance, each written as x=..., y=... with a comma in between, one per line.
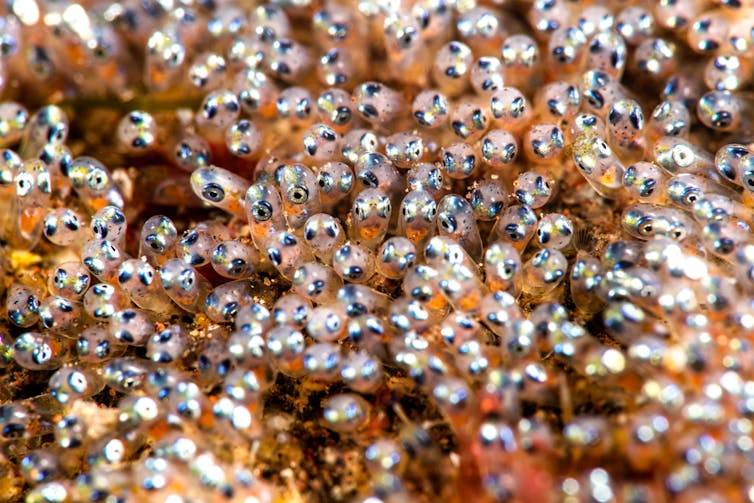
x=213, y=192
x=299, y=194
x=263, y=211
x=154, y=243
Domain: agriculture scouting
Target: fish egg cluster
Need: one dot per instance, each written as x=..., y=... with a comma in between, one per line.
x=377, y=251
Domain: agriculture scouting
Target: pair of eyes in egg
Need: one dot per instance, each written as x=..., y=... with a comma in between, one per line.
x=646, y=227
x=427, y=209
x=213, y=192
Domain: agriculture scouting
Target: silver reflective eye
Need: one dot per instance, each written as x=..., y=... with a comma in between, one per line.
x=97, y=179
x=691, y=196
x=448, y=222
x=261, y=210
x=213, y=192
x=187, y=279
x=298, y=194
x=678, y=233
x=155, y=243
x=645, y=226
x=748, y=178
x=146, y=277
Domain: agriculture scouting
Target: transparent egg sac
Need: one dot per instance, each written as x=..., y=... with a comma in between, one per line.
x=371, y=251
